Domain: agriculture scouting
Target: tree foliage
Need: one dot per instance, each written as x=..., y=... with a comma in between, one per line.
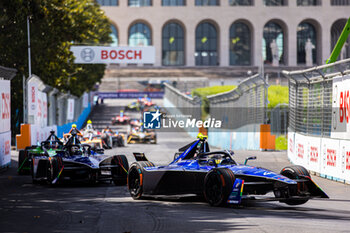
x=54, y=26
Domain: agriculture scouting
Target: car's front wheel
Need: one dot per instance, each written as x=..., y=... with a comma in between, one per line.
x=296, y=172
x=218, y=185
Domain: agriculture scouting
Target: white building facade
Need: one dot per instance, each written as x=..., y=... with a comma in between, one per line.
x=229, y=33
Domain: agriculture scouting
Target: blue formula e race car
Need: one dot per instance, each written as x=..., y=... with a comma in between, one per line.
x=196, y=170
x=77, y=162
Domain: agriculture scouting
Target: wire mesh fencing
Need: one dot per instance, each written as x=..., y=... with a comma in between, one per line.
x=310, y=98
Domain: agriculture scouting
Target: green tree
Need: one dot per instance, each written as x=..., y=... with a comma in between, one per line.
x=55, y=25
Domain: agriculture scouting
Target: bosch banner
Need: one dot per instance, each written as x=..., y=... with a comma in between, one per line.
x=5, y=106
x=109, y=55
x=341, y=108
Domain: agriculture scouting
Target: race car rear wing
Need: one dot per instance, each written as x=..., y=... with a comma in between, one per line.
x=140, y=156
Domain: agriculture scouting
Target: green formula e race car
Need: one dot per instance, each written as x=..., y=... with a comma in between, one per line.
x=25, y=156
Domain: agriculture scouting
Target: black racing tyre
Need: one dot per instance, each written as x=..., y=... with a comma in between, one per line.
x=53, y=169
x=135, y=181
x=121, y=142
x=154, y=140
x=21, y=158
x=295, y=172
x=135, y=178
x=218, y=185
x=120, y=173
x=110, y=142
x=34, y=181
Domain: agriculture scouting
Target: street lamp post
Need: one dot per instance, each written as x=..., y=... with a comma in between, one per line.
x=29, y=59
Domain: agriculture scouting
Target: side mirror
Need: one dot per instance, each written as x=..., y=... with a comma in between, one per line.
x=249, y=158
x=176, y=155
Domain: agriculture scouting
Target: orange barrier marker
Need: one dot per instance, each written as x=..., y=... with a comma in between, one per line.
x=23, y=139
x=267, y=140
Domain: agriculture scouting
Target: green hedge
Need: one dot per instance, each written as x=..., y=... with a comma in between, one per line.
x=203, y=92
x=281, y=143
x=277, y=95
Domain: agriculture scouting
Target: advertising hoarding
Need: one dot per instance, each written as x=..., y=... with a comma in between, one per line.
x=109, y=55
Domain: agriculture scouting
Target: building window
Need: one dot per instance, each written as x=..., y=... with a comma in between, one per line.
x=308, y=2
x=114, y=36
x=241, y=2
x=173, y=48
x=108, y=2
x=240, y=44
x=173, y=3
x=138, y=3
x=207, y=3
x=273, y=43
x=336, y=30
x=340, y=2
x=139, y=35
x=275, y=2
x=206, y=45
x=306, y=33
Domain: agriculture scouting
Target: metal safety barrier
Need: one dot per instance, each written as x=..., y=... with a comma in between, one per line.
x=184, y=104
x=310, y=97
x=319, y=132
x=241, y=106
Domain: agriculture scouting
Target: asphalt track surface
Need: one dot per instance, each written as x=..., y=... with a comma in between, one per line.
x=25, y=207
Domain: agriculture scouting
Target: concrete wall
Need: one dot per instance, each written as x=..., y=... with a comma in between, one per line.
x=329, y=158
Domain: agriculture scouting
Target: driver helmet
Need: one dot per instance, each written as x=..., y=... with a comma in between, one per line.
x=74, y=150
x=89, y=124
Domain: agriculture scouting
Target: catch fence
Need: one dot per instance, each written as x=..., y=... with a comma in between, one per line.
x=310, y=98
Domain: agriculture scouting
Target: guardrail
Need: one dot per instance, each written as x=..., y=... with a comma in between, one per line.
x=180, y=105
x=319, y=129
x=241, y=111
x=241, y=106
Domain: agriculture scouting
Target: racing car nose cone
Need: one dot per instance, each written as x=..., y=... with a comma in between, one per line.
x=142, y=135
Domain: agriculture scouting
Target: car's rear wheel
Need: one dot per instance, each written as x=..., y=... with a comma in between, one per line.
x=120, y=173
x=154, y=140
x=218, y=185
x=295, y=172
x=135, y=181
x=34, y=181
x=53, y=170
x=21, y=162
